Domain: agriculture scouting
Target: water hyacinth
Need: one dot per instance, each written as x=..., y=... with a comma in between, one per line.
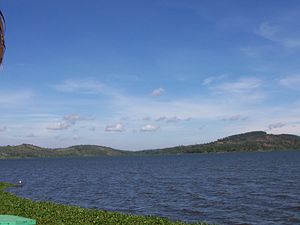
x=48, y=213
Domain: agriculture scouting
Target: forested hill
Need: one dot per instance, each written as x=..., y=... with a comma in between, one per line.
x=31, y=151
x=251, y=141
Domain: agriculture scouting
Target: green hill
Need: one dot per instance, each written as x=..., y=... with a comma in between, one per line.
x=89, y=150
x=251, y=141
x=31, y=151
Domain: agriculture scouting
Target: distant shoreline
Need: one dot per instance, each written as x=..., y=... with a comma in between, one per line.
x=256, y=141
x=152, y=155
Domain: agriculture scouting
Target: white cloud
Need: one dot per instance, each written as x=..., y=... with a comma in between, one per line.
x=73, y=118
x=158, y=92
x=209, y=80
x=221, y=99
x=118, y=127
x=230, y=96
x=292, y=82
x=243, y=85
x=176, y=119
x=197, y=108
x=149, y=128
x=67, y=122
x=246, y=89
x=286, y=37
x=63, y=125
x=84, y=86
x=267, y=30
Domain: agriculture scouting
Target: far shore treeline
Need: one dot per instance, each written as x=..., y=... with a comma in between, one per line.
x=246, y=142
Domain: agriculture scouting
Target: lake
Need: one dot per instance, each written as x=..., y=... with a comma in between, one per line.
x=229, y=188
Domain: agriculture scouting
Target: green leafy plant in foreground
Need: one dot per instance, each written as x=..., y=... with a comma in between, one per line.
x=48, y=213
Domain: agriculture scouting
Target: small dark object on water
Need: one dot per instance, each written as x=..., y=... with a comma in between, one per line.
x=19, y=184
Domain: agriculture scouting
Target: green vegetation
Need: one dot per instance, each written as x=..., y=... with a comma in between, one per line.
x=47, y=213
x=31, y=151
x=251, y=141
x=247, y=142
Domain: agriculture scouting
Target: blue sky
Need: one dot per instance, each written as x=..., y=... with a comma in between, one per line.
x=147, y=74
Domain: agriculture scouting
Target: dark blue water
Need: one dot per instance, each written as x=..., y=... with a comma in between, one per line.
x=231, y=188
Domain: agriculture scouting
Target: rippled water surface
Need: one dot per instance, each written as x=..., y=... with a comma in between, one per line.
x=231, y=188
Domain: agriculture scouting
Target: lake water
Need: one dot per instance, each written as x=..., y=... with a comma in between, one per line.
x=230, y=188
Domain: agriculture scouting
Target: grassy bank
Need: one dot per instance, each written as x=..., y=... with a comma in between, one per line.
x=47, y=213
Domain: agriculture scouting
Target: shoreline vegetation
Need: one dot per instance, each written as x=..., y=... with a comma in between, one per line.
x=48, y=213
x=246, y=142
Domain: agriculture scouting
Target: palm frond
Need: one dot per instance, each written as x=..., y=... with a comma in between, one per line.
x=2, y=42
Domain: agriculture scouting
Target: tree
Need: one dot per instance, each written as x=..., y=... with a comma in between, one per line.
x=2, y=42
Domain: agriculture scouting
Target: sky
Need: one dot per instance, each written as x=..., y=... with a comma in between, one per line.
x=140, y=74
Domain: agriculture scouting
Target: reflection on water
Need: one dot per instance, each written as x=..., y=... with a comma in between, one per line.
x=231, y=188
